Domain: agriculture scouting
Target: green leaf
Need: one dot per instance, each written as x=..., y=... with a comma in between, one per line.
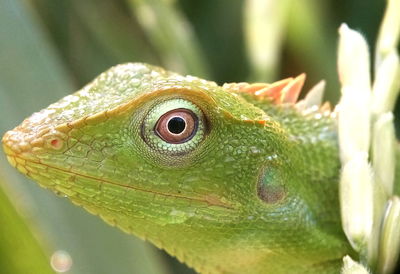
x=20, y=252
x=171, y=35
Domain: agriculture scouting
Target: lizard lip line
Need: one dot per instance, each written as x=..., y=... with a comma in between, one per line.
x=211, y=201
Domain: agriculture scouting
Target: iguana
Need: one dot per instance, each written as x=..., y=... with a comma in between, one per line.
x=239, y=178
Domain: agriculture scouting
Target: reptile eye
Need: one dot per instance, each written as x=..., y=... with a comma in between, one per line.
x=177, y=126
x=174, y=127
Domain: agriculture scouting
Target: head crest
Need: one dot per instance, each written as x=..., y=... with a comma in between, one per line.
x=284, y=91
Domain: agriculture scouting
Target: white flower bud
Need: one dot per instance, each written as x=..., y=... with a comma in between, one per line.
x=389, y=250
x=383, y=152
x=389, y=32
x=353, y=60
x=386, y=86
x=356, y=200
x=352, y=267
x=354, y=122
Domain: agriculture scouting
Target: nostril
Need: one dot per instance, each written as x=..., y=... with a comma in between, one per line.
x=56, y=143
x=53, y=140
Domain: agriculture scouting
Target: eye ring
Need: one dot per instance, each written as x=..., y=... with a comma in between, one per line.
x=177, y=126
x=173, y=128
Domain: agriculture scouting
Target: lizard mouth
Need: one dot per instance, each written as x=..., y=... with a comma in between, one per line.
x=38, y=170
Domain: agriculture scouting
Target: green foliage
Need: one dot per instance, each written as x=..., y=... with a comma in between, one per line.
x=20, y=252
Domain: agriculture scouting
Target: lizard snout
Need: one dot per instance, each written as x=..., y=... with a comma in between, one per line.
x=26, y=141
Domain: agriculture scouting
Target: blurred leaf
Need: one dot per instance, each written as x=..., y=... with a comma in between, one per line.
x=119, y=35
x=171, y=35
x=313, y=43
x=102, y=35
x=265, y=24
x=20, y=252
x=219, y=26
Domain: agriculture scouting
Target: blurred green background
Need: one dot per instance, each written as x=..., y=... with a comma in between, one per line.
x=50, y=48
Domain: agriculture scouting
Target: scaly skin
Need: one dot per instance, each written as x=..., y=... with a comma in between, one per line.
x=254, y=191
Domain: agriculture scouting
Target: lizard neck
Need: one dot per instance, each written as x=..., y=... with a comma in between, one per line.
x=313, y=134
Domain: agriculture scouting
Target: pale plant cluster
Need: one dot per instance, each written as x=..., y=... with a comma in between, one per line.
x=370, y=211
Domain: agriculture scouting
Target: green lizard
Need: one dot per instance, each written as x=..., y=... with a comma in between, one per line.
x=239, y=178
x=234, y=179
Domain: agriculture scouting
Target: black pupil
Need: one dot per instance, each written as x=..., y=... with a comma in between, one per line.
x=176, y=125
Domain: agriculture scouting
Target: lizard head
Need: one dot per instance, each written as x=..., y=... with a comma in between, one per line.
x=198, y=169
